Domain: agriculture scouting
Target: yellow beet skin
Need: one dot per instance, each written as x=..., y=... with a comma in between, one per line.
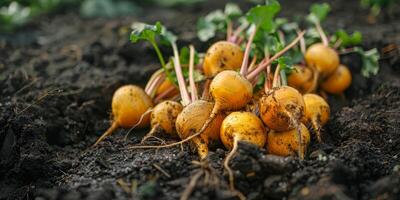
x=242, y=126
x=323, y=58
x=317, y=112
x=191, y=120
x=287, y=143
x=282, y=108
x=164, y=116
x=230, y=90
x=303, y=79
x=129, y=103
x=221, y=56
x=338, y=82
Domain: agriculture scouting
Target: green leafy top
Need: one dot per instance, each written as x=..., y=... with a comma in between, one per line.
x=318, y=12
x=217, y=20
x=232, y=11
x=370, y=60
x=142, y=31
x=347, y=39
x=263, y=16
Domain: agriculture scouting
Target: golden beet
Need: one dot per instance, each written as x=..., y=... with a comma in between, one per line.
x=191, y=120
x=221, y=56
x=287, y=143
x=317, y=112
x=282, y=108
x=323, y=58
x=240, y=126
x=129, y=105
x=338, y=82
x=303, y=79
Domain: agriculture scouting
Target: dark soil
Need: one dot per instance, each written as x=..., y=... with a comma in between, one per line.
x=58, y=74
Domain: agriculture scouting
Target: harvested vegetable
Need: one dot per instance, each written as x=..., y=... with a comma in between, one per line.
x=287, y=143
x=191, y=120
x=163, y=118
x=303, y=78
x=240, y=126
x=323, y=58
x=338, y=82
x=221, y=56
x=317, y=113
x=129, y=104
x=282, y=108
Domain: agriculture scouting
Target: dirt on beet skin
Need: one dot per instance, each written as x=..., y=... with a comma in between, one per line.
x=56, y=83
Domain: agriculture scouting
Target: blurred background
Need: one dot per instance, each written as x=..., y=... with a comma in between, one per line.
x=15, y=13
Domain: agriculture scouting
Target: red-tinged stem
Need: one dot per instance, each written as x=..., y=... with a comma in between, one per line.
x=156, y=83
x=322, y=34
x=337, y=44
x=252, y=64
x=193, y=88
x=179, y=75
x=164, y=94
x=244, y=67
x=235, y=36
x=267, y=84
x=228, y=30
x=275, y=82
x=263, y=65
x=302, y=43
x=151, y=80
x=239, y=40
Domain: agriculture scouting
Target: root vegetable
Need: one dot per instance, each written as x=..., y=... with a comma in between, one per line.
x=287, y=143
x=191, y=120
x=304, y=79
x=129, y=104
x=323, y=58
x=317, y=112
x=221, y=56
x=338, y=82
x=230, y=91
x=282, y=108
x=163, y=118
x=240, y=126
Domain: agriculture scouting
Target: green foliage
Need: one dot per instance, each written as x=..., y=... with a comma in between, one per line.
x=266, y=41
x=216, y=21
x=347, y=39
x=107, y=8
x=375, y=6
x=184, y=56
x=318, y=12
x=142, y=31
x=152, y=34
x=263, y=16
x=171, y=3
x=13, y=15
x=370, y=60
x=232, y=11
